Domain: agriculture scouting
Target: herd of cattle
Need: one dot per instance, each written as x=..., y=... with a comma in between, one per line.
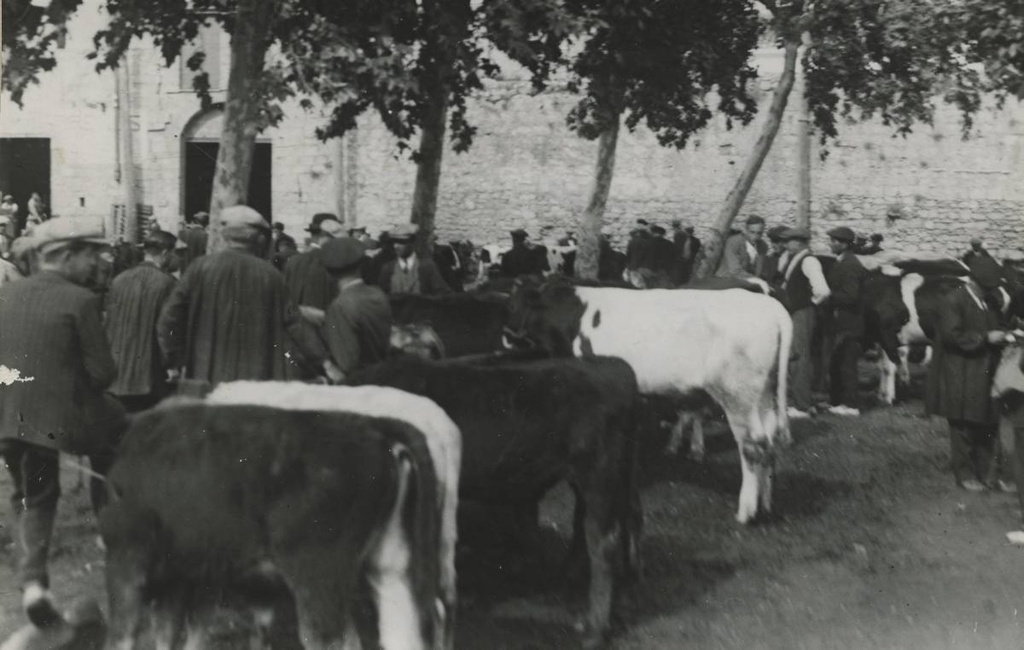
x=308, y=502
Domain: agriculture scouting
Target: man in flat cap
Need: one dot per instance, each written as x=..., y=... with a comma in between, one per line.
x=743, y=253
x=408, y=273
x=53, y=347
x=777, y=258
x=357, y=325
x=521, y=259
x=230, y=316
x=960, y=375
x=687, y=247
x=195, y=237
x=134, y=302
x=803, y=289
x=637, y=247
x=610, y=262
x=846, y=280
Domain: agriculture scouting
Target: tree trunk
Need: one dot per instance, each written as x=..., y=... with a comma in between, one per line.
x=428, y=166
x=249, y=43
x=713, y=246
x=586, y=266
x=803, y=212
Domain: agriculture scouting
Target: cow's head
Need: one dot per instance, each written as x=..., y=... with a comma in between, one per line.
x=885, y=313
x=544, y=315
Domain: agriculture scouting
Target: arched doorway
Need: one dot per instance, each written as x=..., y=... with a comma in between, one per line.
x=200, y=142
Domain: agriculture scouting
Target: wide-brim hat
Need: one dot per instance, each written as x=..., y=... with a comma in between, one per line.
x=842, y=233
x=341, y=253
x=62, y=231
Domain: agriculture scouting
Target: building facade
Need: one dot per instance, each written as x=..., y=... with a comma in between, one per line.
x=931, y=191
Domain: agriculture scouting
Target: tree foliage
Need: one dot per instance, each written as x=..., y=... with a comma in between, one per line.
x=992, y=36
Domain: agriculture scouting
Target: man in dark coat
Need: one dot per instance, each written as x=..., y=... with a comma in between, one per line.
x=309, y=283
x=194, y=236
x=55, y=363
x=134, y=302
x=846, y=281
x=230, y=316
x=357, y=325
x=743, y=253
x=777, y=260
x=960, y=375
x=521, y=259
x=655, y=265
x=687, y=247
x=610, y=262
x=408, y=273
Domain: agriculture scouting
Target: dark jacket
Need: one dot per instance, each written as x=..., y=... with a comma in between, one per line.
x=736, y=260
x=961, y=371
x=308, y=281
x=846, y=280
x=134, y=302
x=194, y=237
x=523, y=260
x=610, y=263
x=357, y=327
x=430, y=279
x=51, y=333
x=228, y=319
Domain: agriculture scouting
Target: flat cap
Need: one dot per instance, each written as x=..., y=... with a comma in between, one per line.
x=775, y=233
x=404, y=231
x=64, y=230
x=657, y=230
x=795, y=233
x=518, y=233
x=242, y=216
x=986, y=272
x=332, y=227
x=160, y=239
x=341, y=253
x=842, y=233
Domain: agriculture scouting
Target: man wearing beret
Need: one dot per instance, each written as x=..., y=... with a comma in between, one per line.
x=53, y=347
x=408, y=273
x=744, y=252
x=357, y=325
x=134, y=302
x=846, y=280
x=230, y=317
x=803, y=289
x=960, y=375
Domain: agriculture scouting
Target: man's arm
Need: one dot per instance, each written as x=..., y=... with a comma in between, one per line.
x=96, y=356
x=172, y=325
x=955, y=333
x=342, y=342
x=819, y=287
x=437, y=281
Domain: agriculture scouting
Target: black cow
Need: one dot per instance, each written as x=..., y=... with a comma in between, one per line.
x=465, y=323
x=209, y=500
x=526, y=426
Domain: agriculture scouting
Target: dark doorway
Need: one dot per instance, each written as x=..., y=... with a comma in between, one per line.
x=24, y=169
x=201, y=165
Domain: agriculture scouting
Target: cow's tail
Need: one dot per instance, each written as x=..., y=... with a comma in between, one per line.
x=418, y=488
x=783, y=434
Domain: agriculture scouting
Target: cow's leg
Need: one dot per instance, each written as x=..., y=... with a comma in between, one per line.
x=603, y=535
x=389, y=575
x=168, y=620
x=126, y=578
x=886, y=378
x=323, y=579
x=697, y=438
x=755, y=491
x=904, y=367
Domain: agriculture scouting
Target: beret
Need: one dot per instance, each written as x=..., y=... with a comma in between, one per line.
x=238, y=216
x=341, y=253
x=842, y=233
x=67, y=230
x=795, y=233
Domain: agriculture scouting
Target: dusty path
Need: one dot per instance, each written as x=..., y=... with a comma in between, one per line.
x=873, y=547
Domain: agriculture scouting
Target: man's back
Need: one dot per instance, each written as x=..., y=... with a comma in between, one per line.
x=227, y=318
x=194, y=237
x=308, y=281
x=364, y=312
x=51, y=333
x=134, y=301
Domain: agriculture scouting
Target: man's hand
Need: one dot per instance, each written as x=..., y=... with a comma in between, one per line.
x=312, y=314
x=996, y=337
x=334, y=374
x=173, y=375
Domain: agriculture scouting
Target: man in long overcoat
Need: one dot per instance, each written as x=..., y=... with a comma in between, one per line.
x=230, y=317
x=960, y=375
x=54, y=365
x=133, y=305
x=846, y=281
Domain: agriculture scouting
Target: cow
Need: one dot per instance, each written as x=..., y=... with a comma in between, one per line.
x=464, y=323
x=210, y=499
x=526, y=426
x=443, y=439
x=733, y=345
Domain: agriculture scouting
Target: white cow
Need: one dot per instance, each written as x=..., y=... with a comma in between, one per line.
x=443, y=439
x=734, y=345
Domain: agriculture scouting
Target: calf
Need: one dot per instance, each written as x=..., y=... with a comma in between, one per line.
x=733, y=345
x=526, y=427
x=208, y=498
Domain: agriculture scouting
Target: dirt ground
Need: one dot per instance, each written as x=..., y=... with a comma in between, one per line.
x=872, y=546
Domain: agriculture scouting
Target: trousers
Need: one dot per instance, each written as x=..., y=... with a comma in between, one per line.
x=843, y=372
x=801, y=360
x=972, y=450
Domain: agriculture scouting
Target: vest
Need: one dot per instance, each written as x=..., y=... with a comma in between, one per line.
x=405, y=281
x=797, y=287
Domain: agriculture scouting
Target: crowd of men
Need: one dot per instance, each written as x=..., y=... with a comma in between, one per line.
x=82, y=361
